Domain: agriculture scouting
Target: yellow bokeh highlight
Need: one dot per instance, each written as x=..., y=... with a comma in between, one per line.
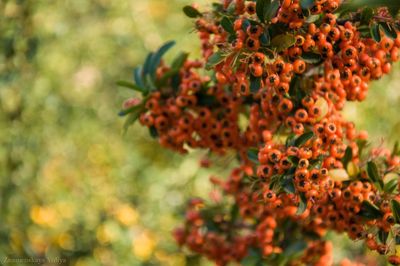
x=143, y=245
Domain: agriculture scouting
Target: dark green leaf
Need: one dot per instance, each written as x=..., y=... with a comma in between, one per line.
x=389, y=30
x=265, y=39
x=290, y=140
x=157, y=56
x=287, y=184
x=131, y=110
x=147, y=66
x=260, y=8
x=396, y=210
x=191, y=12
x=255, y=84
x=375, y=32
x=302, y=205
x=348, y=155
x=137, y=76
x=283, y=41
x=133, y=116
x=311, y=58
x=295, y=248
x=227, y=24
x=252, y=154
x=179, y=61
x=383, y=236
x=303, y=139
x=271, y=9
x=153, y=132
x=214, y=60
x=367, y=15
x=370, y=211
x=132, y=86
x=373, y=172
x=253, y=258
x=306, y=4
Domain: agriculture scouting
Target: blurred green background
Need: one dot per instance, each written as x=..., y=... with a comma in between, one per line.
x=71, y=186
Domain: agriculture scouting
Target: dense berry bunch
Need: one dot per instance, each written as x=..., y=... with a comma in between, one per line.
x=280, y=74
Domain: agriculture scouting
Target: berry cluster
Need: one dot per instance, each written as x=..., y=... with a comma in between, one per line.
x=281, y=72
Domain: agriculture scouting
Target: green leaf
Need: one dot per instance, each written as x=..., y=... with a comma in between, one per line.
x=134, y=114
x=255, y=84
x=302, y=205
x=137, y=76
x=373, y=173
x=157, y=56
x=367, y=15
x=287, y=184
x=254, y=258
x=306, y=4
x=153, y=132
x=227, y=24
x=389, y=30
x=383, y=236
x=303, y=139
x=283, y=41
x=266, y=9
x=131, y=110
x=214, y=60
x=375, y=32
x=394, y=11
x=390, y=186
x=132, y=86
x=252, y=154
x=260, y=8
x=313, y=18
x=271, y=9
x=396, y=210
x=147, y=66
x=369, y=211
x=348, y=155
x=191, y=12
x=311, y=58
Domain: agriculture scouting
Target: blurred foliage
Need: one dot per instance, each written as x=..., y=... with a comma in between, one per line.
x=71, y=186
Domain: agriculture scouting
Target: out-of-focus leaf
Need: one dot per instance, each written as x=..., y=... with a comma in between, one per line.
x=157, y=56
x=348, y=155
x=227, y=24
x=255, y=84
x=302, y=205
x=369, y=211
x=283, y=41
x=389, y=30
x=303, y=138
x=311, y=58
x=306, y=4
x=131, y=85
x=375, y=32
x=214, y=60
x=396, y=210
x=252, y=154
x=191, y=12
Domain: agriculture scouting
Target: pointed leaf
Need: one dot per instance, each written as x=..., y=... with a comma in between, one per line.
x=370, y=211
x=396, y=210
x=375, y=32
x=191, y=12
x=303, y=139
x=131, y=85
x=389, y=30
x=157, y=56
x=214, y=60
x=227, y=24
x=302, y=205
